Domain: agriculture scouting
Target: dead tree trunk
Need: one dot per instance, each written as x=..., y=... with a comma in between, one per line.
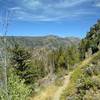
x=4, y=24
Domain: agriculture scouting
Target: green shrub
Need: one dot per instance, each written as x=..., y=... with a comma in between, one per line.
x=17, y=90
x=2, y=94
x=93, y=69
x=92, y=95
x=96, y=82
x=97, y=70
x=84, y=84
x=89, y=71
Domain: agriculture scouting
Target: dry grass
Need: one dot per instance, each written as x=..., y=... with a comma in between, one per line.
x=53, y=92
x=46, y=94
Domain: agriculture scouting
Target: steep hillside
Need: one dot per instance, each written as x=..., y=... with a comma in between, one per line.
x=85, y=81
x=91, y=43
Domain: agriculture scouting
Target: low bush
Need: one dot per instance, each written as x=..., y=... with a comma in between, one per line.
x=17, y=90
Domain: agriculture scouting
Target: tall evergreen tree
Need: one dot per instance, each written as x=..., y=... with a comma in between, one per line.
x=21, y=61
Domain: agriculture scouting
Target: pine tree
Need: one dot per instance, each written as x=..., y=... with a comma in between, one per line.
x=21, y=61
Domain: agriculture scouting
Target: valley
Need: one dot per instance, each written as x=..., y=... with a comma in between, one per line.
x=59, y=59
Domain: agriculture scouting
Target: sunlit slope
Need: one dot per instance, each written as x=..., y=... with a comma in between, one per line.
x=81, y=82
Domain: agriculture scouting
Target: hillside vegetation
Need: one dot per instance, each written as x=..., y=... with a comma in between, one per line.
x=85, y=79
x=51, y=68
x=91, y=43
x=34, y=67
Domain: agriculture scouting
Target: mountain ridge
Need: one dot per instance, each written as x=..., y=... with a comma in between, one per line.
x=49, y=41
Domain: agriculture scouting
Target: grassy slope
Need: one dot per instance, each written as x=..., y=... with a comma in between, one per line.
x=70, y=89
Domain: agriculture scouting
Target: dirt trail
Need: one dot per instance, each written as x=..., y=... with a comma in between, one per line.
x=53, y=92
x=60, y=89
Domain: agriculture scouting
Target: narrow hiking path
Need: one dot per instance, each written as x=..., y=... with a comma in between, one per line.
x=60, y=89
x=53, y=92
x=75, y=74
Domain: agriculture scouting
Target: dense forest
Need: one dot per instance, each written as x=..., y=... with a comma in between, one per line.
x=35, y=64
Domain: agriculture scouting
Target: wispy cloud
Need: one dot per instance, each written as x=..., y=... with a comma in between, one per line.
x=97, y=4
x=69, y=3
x=49, y=10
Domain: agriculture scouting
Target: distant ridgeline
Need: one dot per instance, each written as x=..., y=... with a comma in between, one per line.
x=46, y=41
x=91, y=43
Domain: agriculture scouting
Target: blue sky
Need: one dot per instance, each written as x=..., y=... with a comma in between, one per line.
x=50, y=17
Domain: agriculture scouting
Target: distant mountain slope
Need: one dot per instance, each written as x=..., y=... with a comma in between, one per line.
x=46, y=41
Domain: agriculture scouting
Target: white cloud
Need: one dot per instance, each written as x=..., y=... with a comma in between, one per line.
x=31, y=4
x=49, y=10
x=98, y=4
x=15, y=8
x=69, y=3
x=35, y=4
x=25, y=16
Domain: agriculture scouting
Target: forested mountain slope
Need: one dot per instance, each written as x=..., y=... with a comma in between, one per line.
x=46, y=41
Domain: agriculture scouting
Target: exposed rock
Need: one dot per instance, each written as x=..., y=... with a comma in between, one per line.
x=99, y=46
x=89, y=53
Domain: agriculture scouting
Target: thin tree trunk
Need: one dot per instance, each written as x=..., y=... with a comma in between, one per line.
x=5, y=23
